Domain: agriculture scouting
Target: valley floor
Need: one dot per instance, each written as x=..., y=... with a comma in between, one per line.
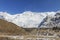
x=43, y=34
x=29, y=37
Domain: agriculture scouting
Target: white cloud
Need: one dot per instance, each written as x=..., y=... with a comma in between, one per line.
x=26, y=19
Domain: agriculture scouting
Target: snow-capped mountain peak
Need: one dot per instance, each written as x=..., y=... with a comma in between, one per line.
x=26, y=19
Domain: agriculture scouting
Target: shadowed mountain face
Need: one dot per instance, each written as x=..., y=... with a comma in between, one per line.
x=52, y=21
x=10, y=28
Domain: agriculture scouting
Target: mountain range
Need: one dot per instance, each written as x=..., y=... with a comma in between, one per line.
x=30, y=19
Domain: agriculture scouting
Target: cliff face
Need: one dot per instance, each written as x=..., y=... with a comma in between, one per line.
x=52, y=21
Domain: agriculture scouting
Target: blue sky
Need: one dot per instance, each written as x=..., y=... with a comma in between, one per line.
x=19, y=6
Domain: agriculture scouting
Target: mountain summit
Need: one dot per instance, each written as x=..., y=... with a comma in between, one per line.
x=27, y=19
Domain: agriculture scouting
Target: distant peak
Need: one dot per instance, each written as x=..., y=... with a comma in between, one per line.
x=26, y=19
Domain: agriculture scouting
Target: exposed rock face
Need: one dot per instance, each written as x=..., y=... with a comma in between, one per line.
x=51, y=21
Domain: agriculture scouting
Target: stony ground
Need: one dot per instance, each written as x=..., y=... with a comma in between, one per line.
x=45, y=34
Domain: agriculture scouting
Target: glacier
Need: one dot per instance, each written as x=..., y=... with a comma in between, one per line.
x=26, y=19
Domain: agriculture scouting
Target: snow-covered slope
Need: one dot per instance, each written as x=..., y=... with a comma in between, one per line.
x=51, y=21
x=26, y=19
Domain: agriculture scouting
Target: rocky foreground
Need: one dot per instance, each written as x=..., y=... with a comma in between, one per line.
x=43, y=34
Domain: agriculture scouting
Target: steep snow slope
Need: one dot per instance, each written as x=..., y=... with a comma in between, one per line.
x=26, y=19
x=52, y=21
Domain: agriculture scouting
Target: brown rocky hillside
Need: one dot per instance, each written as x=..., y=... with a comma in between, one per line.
x=10, y=28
